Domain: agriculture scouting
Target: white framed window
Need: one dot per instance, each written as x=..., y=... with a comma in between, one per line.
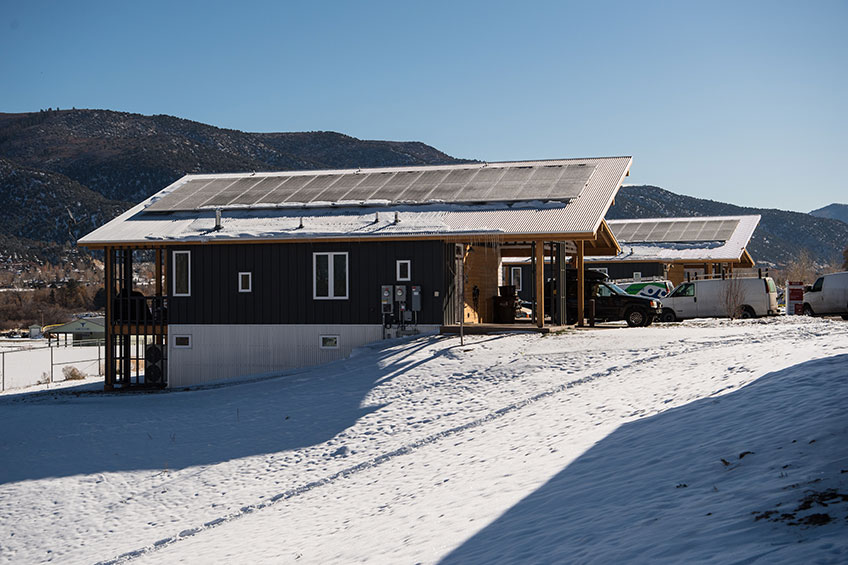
x=328, y=342
x=245, y=281
x=404, y=269
x=181, y=273
x=637, y=276
x=329, y=276
x=515, y=277
x=182, y=341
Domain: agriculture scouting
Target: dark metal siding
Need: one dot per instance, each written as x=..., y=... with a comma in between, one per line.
x=282, y=283
x=626, y=270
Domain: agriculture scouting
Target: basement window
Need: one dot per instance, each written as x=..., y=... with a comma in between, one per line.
x=182, y=341
x=182, y=273
x=328, y=342
x=245, y=282
x=329, y=276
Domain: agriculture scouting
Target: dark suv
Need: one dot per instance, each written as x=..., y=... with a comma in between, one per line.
x=611, y=303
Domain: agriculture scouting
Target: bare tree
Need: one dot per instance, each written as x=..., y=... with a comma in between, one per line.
x=845, y=259
x=802, y=268
x=731, y=298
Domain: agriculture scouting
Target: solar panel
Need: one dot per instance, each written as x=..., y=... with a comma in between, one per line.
x=170, y=201
x=511, y=183
x=229, y=192
x=284, y=190
x=369, y=185
x=313, y=189
x=257, y=192
x=460, y=184
x=481, y=184
x=694, y=230
x=423, y=186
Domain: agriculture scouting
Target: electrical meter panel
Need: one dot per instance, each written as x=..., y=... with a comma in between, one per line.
x=386, y=299
x=400, y=293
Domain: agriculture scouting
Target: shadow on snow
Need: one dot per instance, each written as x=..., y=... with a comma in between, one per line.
x=68, y=432
x=673, y=487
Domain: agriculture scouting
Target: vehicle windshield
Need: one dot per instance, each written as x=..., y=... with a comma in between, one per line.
x=685, y=289
x=617, y=289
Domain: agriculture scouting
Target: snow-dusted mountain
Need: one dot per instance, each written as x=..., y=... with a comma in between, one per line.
x=833, y=211
x=779, y=238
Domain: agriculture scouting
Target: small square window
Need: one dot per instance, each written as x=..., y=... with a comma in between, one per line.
x=404, y=270
x=182, y=341
x=245, y=282
x=329, y=342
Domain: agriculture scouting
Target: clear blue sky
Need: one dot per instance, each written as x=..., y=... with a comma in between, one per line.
x=743, y=102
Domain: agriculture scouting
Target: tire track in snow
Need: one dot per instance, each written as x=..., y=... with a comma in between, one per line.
x=415, y=445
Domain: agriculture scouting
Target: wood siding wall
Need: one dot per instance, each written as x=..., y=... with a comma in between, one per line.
x=282, y=283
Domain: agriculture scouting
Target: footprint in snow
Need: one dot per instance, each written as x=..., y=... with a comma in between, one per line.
x=343, y=451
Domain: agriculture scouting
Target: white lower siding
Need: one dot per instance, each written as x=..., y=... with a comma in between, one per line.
x=225, y=351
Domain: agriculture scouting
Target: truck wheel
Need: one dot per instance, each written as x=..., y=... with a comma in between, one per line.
x=747, y=313
x=668, y=315
x=636, y=317
x=808, y=310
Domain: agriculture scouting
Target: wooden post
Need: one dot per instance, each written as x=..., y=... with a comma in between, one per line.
x=581, y=284
x=540, y=284
x=109, y=376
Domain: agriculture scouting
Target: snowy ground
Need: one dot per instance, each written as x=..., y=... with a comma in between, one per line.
x=706, y=441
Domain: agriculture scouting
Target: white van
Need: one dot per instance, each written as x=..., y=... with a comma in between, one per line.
x=828, y=296
x=650, y=289
x=706, y=298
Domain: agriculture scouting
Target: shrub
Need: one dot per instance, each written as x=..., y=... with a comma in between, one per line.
x=72, y=374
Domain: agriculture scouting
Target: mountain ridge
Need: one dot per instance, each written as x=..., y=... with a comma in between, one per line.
x=64, y=172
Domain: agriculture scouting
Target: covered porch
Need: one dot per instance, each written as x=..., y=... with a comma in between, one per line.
x=483, y=298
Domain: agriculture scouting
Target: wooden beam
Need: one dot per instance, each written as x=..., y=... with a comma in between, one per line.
x=458, y=238
x=109, y=373
x=540, y=284
x=581, y=283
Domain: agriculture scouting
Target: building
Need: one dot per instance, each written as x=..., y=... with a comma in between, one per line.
x=255, y=273
x=674, y=248
x=80, y=329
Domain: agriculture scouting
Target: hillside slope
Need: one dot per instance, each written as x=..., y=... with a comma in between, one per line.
x=832, y=211
x=130, y=156
x=780, y=236
x=44, y=212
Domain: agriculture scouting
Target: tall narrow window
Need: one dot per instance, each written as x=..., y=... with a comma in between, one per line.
x=515, y=276
x=182, y=273
x=245, y=282
x=329, y=276
x=404, y=270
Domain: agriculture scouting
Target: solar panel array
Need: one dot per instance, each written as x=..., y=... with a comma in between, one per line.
x=455, y=185
x=674, y=231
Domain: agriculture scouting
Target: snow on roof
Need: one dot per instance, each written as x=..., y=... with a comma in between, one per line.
x=581, y=215
x=730, y=247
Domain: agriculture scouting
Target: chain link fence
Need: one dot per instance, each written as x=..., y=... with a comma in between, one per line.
x=31, y=364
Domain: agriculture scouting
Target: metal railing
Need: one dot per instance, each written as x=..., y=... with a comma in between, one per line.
x=139, y=310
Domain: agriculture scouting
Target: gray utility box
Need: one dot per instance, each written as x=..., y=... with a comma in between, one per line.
x=416, y=299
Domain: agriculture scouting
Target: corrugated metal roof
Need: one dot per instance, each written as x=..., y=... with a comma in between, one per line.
x=579, y=216
x=696, y=248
